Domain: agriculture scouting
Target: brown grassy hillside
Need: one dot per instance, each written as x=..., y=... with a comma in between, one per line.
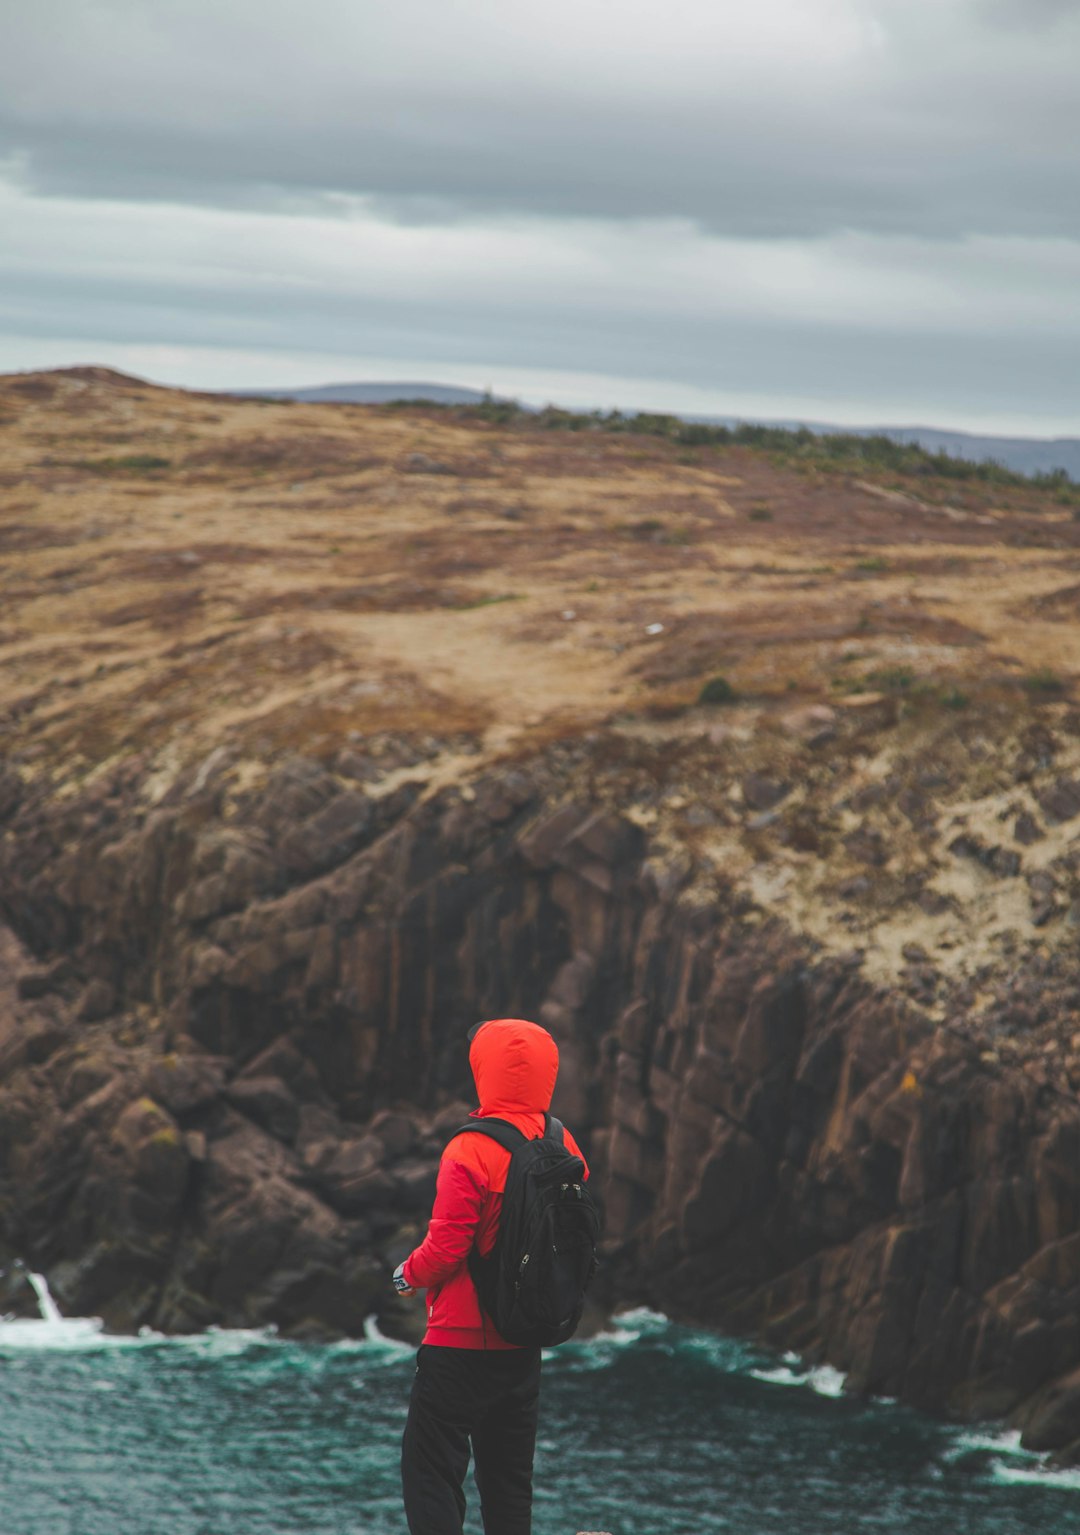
x=418, y=593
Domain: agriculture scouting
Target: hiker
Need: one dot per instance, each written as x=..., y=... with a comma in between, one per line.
x=472, y=1384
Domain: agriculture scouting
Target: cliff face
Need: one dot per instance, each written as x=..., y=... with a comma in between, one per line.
x=782, y=1148
x=325, y=735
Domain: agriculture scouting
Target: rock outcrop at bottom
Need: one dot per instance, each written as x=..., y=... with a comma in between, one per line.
x=225, y=1102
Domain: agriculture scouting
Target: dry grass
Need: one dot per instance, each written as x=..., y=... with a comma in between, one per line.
x=179, y=569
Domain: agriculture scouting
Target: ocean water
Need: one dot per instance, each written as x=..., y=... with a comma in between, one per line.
x=648, y=1429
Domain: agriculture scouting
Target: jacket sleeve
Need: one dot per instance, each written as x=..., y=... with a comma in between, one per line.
x=459, y=1199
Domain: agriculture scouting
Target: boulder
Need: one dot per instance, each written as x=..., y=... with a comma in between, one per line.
x=1052, y=1420
x=187, y=1084
x=761, y=793
x=330, y=836
x=154, y=1151
x=267, y=1101
x=396, y=1131
x=1060, y=800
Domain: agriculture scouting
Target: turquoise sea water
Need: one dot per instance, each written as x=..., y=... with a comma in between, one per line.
x=649, y=1429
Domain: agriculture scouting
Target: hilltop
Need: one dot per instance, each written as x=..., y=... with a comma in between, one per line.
x=1021, y=455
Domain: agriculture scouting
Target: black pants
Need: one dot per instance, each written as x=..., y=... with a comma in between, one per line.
x=490, y=1397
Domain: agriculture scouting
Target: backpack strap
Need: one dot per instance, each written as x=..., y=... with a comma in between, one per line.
x=508, y=1135
x=553, y=1129
x=501, y=1130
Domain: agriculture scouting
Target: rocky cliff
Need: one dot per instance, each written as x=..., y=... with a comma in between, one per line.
x=229, y=1074
x=810, y=964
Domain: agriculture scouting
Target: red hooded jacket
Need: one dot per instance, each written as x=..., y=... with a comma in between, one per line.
x=514, y=1065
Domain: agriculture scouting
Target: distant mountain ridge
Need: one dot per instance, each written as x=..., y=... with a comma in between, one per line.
x=369, y=394
x=1025, y=455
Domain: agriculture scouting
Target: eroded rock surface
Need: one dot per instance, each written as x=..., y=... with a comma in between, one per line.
x=247, y=1132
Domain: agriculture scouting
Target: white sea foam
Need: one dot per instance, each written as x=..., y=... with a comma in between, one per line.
x=1035, y=1476
x=87, y=1335
x=50, y=1311
x=731, y=1356
x=35, y=1333
x=601, y=1349
x=53, y=1331
x=821, y=1378
x=826, y=1381
x=783, y=1375
x=642, y=1317
x=629, y=1327
x=215, y=1342
x=999, y=1441
x=392, y=1347
x=1009, y=1463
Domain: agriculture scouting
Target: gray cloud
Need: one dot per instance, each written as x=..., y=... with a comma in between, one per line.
x=874, y=115
x=1027, y=14
x=910, y=369
x=872, y=204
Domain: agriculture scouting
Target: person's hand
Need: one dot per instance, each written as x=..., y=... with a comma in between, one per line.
x=401, y=1284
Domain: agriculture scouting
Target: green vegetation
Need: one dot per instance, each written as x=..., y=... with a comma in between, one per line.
x=760, y=513
x=799, y=446
x=1044, y=680
x=896, y=680
x=892, y=679
x=130, y=463
x=486, y=602
x=718, y=690
x=901, y=681
x=873, y=566
x=654, y=530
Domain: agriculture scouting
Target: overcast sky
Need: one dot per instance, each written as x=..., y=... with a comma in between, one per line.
x=849, y=210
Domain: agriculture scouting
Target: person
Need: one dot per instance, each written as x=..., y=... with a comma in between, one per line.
x=472, y=1387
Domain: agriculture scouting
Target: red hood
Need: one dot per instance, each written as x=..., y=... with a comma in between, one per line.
x=514, y=1065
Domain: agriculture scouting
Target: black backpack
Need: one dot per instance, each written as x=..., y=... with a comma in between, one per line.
x=533, y=1282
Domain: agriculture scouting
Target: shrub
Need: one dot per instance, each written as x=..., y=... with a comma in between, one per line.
x=892, y=679
x=798, y=446
x=130, y=463
x=646, y=527
x=1042, y=680
x=718, y=690
x=485, y=602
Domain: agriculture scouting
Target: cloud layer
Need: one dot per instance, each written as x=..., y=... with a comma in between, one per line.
x=837, y=199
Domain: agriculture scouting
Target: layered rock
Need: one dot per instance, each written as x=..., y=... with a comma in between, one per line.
x=232, y=1057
